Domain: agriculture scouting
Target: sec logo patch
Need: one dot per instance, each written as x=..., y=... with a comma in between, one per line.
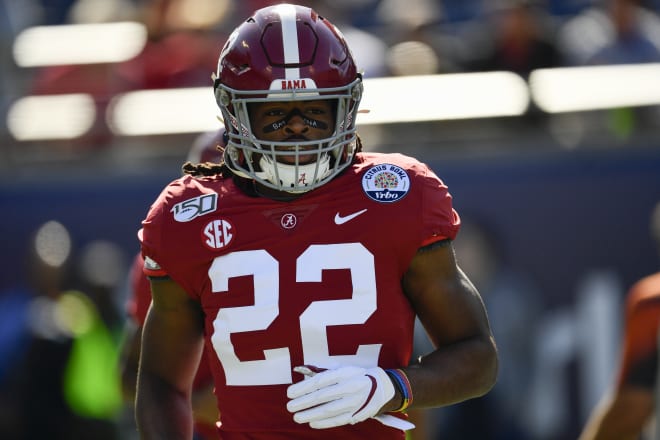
x=386, y=183
x=218, y=234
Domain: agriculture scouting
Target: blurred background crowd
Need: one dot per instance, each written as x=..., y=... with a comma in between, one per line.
x=557, y=205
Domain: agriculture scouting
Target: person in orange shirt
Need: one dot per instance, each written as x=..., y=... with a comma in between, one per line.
x=625, y=412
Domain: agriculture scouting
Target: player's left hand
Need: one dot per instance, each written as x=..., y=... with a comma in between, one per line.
x=346, y=395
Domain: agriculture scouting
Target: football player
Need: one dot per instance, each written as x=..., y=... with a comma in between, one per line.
x=299, y=263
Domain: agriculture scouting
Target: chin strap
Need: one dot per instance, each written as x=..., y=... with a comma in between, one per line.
x=290, y=180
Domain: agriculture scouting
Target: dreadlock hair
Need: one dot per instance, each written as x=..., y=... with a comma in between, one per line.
x=205, y=169
x=358, y=144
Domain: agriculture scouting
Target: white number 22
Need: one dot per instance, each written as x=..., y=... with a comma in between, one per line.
x=275, y=368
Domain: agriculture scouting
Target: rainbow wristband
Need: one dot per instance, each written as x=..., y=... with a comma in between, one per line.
x=403, y=385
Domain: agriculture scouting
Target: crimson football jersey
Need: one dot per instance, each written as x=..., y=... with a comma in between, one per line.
x=313, y=281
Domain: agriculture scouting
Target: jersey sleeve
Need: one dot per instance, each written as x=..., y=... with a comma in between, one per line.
x=440, y=220
x=168, y=225
x=151, y=233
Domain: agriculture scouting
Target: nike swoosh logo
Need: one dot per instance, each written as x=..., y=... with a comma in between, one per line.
x=339, y=220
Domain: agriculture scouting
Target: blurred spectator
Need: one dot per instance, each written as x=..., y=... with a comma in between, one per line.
x=59, y=381
x=369, y=50
x=653, y=5
x=101, y=267
x=462, y=10
x=95, y=80
x=182, y=47
x=183, y=41
x=616, y=32
x=91, y=382
x=31, y=337
x=418, y=44
x=626, y=410
x=415, y=14
x=55, y=11
x=412, y=58
x=518, y=39
x=565, y=8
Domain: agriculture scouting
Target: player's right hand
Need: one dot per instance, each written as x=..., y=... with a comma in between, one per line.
x=346, y=395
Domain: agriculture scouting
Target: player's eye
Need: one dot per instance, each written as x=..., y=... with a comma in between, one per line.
x=274, y=112
x=315, y=111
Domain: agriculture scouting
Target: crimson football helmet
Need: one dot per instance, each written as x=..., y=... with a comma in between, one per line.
x=287, y=53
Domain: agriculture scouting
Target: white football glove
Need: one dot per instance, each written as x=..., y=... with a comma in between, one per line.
x=346, y=395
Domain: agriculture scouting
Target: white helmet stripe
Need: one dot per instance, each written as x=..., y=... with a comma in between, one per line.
x=287, y=15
